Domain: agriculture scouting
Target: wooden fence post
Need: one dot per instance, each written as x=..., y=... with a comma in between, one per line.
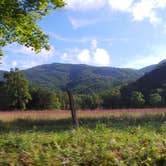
x=73, y=110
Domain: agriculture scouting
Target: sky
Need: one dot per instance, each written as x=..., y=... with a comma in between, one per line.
x=114, y=33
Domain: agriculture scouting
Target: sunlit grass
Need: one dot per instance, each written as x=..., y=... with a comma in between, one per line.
x=107, y=138
x=61, y=114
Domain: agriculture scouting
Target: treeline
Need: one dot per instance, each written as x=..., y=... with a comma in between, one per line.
x=16, y=93
x=123, y=98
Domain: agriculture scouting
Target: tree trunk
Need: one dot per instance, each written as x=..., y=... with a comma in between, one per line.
x=72, y=108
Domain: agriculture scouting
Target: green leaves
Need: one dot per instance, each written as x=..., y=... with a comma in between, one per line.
x=1, y=53
x=155, y=99
x=58, y=3
x=137, y=99
x=114, y=143
x=17, y=88
x=18, y=22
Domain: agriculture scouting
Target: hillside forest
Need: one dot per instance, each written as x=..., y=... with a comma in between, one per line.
x=18, y=93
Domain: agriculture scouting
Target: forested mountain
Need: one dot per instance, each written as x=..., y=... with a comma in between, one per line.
x=152, y=67
x=80, y=78
x=152, y=80
x=148, y=68
x=83, y=78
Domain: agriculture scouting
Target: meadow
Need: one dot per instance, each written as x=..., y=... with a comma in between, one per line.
x=104, y=137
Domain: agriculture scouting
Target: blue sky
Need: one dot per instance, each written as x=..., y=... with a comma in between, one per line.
x=119, y=33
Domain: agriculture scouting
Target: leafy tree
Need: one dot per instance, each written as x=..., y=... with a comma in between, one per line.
x=116, y=97
x=126, y=96
x=64, y=100
x=88, y=101
x=137, y=99
x=18, y=22
x=43, y=99
x=155, y=99
x=4, y=97
x=112, y=99
x=163, y=93
x=17, y=88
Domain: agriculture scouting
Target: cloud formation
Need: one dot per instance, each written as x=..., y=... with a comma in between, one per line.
x=101, y=57
x=24, y=57
x=90, y=56
x=77, y=23
x=44, y=54
x=85, y=4
x=139, y=10
x=153, y=57
x=145, y=10
x=145, y=61
x=122, y=5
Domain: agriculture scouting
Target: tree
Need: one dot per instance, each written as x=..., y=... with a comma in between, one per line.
x=64, y=101
x=18, y=22
x=126, y=95
x=17, y=88
x=155, y=99
x=4, y=97
x=112, y=99
x=43, y=99
x=88, y=101
x=163, y=93
x=137, y=99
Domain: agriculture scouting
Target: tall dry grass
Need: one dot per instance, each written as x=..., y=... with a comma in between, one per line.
x=64, y=114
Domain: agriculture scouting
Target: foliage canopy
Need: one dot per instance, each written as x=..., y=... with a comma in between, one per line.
x=155, y=99
x=17, y=88
x=137, y=99
x=18, y=22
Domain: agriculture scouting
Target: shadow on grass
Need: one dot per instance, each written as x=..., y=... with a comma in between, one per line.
x=153, y=122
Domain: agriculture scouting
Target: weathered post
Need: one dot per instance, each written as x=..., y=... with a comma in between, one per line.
x=73, y=110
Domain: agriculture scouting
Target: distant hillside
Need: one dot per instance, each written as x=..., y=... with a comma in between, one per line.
x=148, y=68
x=84, y=78
x=152, y=67
x=80, y=78
x=152, y=80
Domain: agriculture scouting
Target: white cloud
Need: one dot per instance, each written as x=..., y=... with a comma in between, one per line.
x=161, y=3
x=138, y=9
x=84, y=56
x=85, y=4
x=122, y=5
x=164, y=29
x=28, y=51
x=22, y=64
x=145, y=9
x=157, y=54
x=145, y=61
x=14, y=64
x=88, y=39
x=69, y=40
x=91, y=56
x=94, y=43
x=101, y=57
x=23, y=57
x=77, y=23
x=29, y=64
x=3, y=64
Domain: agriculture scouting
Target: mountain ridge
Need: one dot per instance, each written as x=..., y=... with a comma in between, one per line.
x=152, y=80
x=81, y=77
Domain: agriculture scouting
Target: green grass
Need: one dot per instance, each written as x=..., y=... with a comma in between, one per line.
x=106, y=141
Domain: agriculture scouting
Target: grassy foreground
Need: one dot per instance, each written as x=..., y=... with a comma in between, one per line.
x=106, y=141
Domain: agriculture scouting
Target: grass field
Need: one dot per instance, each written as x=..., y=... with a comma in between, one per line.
x=105, y=137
